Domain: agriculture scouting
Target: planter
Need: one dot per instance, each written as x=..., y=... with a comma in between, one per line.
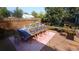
x=70, y=36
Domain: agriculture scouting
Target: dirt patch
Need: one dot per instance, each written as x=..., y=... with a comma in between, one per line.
x=61, y=43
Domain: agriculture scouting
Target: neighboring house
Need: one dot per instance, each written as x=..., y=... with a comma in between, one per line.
x=27, y=16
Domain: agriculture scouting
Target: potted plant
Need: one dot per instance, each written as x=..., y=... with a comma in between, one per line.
x=70, y=35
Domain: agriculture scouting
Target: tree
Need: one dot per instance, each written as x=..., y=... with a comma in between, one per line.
x=73, y=11
x=61, y=15
x=55, y=15
x=18, y=12
x=34, y=14
x=4, y=12
x=41, y=15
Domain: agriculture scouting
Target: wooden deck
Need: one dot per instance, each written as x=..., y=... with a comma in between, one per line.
x=35, y=43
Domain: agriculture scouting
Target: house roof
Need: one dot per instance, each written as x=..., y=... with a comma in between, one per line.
x=28, y=16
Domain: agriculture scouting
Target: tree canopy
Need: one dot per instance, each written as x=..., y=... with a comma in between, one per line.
x=57, y=15
x=34, y=14
x=4, y=12
x=18, y=12
x=41, y=15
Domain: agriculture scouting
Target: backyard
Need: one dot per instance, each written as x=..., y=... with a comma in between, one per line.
x=55, y=30
x=61, y=43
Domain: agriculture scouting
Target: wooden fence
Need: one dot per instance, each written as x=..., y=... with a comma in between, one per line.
x=8, y=23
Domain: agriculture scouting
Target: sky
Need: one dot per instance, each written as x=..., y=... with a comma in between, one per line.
x=28, y=9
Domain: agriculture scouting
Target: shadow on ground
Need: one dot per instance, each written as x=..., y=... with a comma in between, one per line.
x=6, y=45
